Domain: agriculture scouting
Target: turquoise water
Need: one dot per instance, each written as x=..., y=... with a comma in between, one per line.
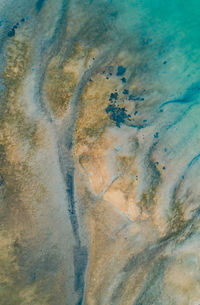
x=170, y=30
x=165, y=39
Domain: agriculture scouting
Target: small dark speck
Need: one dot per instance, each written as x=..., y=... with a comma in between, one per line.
x=165, y=149
x=156, y=162
x=183, y=177
x=120, y=70
x=22, y=20
x=144, y=121
x=11, y=33
x=93, y=58
x=113, y=96
x=123, y=79
x=135, y=98
x=103, y=72
x=0, y=23
x=110, y=73
x=164, y=62
x=164, y=168
x=125, y=91
x=136, y=112
x=139, y=98
x=107, y=77
x=131, y=97
x=161, y=110
x=156, y=135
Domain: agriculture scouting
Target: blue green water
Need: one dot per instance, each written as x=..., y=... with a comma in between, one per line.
x=165, y=39
x=170, y=32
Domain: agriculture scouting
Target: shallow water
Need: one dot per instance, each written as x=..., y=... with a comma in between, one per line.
x=99, y=152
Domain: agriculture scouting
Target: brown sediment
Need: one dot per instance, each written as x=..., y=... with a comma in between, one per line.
x=93, y=118
x=62, y=80
x=122, y=192
x=15, y=127
x=82, y=165
x=25, y=226
x=59, y=88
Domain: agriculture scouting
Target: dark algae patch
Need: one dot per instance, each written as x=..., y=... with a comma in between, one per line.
x=123, y=79
x=117, y=114
x=120, y=70
x=11, y=33
x=113, y=96
x=156, y=135
x=125, y=92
